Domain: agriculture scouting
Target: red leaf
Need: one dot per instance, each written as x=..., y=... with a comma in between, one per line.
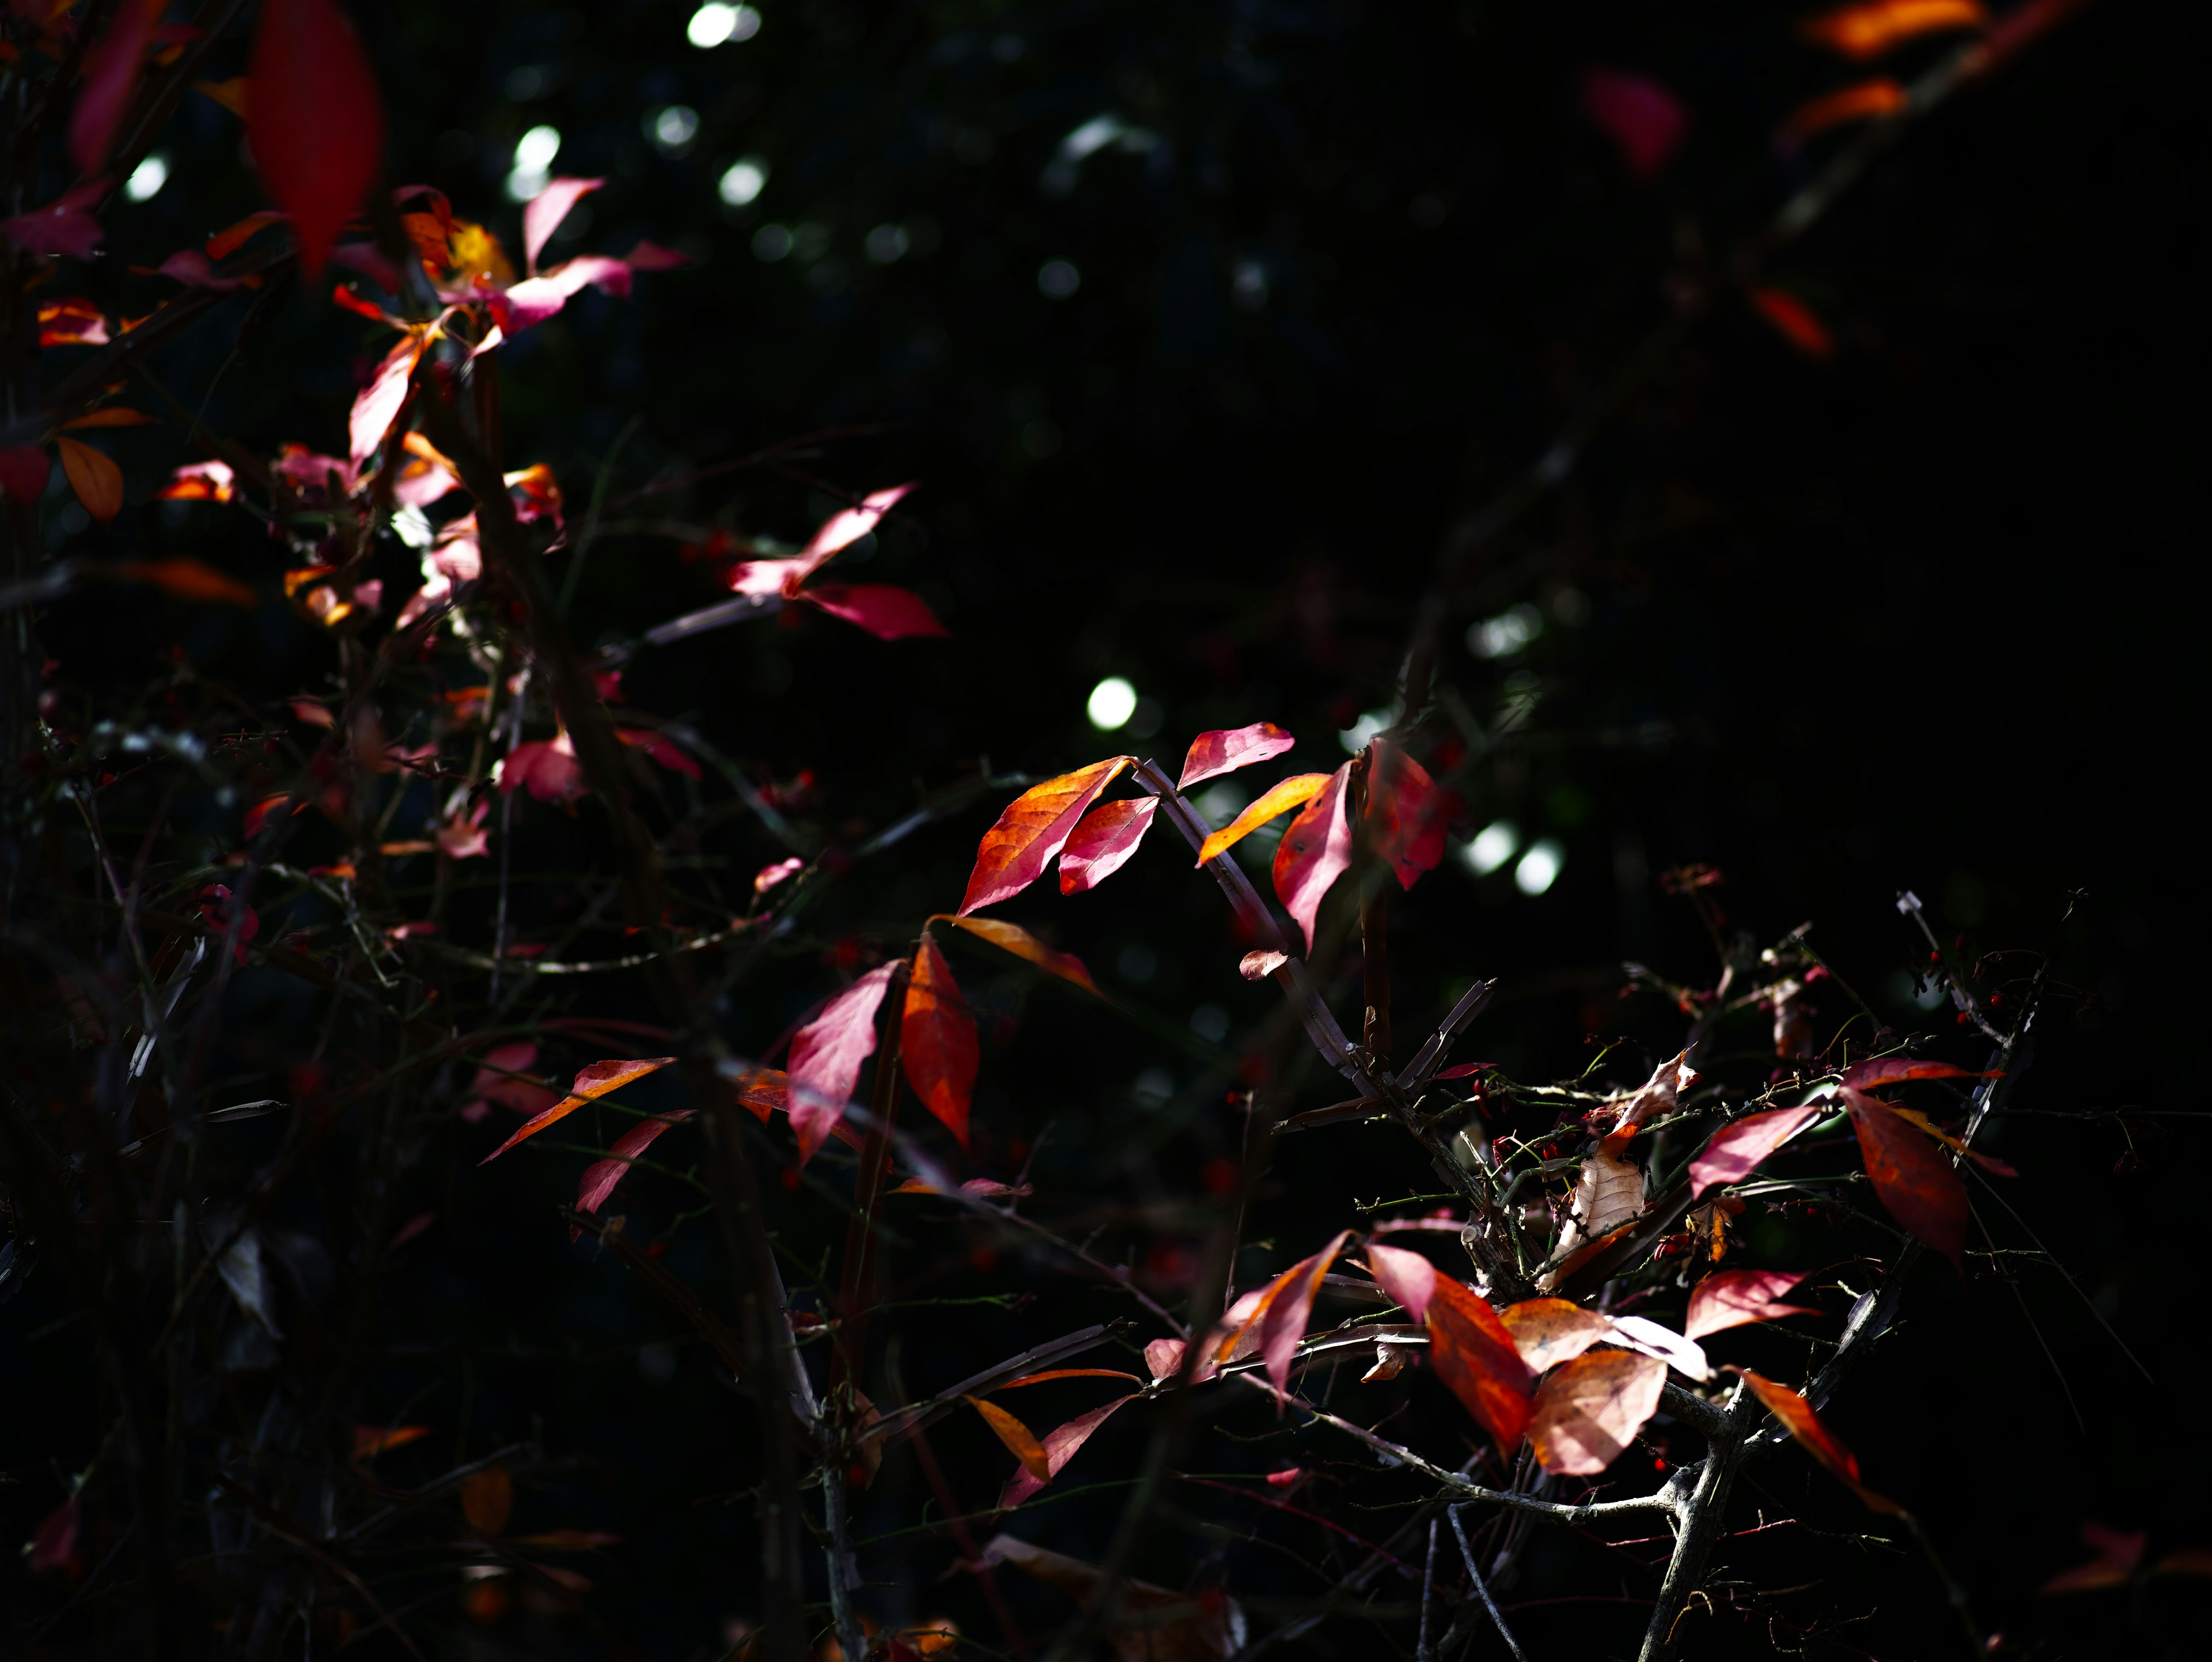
x=377, y=405
x=1031, y=832
x=24, y=471
x=1549, y=1332
x=1737, y=1149
x=111, y=76
x=72, y=323
x=766, y=1091
x=1407, y=1277
x=1059, y=1448
x=595, y=1081
x=936, y=1040
x=884, y=610
x=1275, y=802
x=221, y=910
x=1914, y=1181
x=1588, y=1410
x=1638, y=114
x=547, y=769
x=1314, y=852
x=63, y=226
x=1888, y=1070
x=1285, y=1311
x=661, y=748
x=1228, y=749
x=1474, y=1355
x=53, y=1543
x=316, y=121
x=1102, y=844
x=1798, y=1419
x=543, y=214
x=1795, y=321
x=1736, y=1296
x=848, y=524
x=601, y=1177
x=1011, y=937
x=1406, y=813
x=826, y=1056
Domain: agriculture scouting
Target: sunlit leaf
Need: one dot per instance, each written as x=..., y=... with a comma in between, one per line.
x=1919, y=1121
x=1029, y=835
x=72, y=322
x=377, y=405
x=1020, y=1442
x=1734, y=1297
x=315, y=119
x=1915, y=1182
x=1282, y=1311
x=1011, y=937
x=936, y=1040
x=543, y=213
x=848, y=524
x=1641, y=1333
x=1259, y=966
x=826, y=1055
x=1314, y=852
x=1101, y=844
x=1588, y=1410
x=1228, y=749
x=1052, y=1373
x=1549, y=1332
x=1798, y=1418
x=96, y=479
x=1735, y=1151
x=595, y=1081
x=1059, y=1447
x=1869, y=30
x=1278, y=800
x=1407, y=1277
x=1473, y=1354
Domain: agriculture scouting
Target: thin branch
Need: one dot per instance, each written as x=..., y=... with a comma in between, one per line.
x=1482, y=1591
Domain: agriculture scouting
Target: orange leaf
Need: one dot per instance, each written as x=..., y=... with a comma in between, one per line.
x=97, y=481
x=936, y=1040
x=595, y=1081
x=488, y=1499
x=1280, y=1313
x=1011, y=937
x=1473, y=1354
x=1795, y=321
x=369, y=1441
x=1034, y=827
x=1279, y=800
x=1020, y=1442
x=1549, y=1332
x=1913, y=1117
x=1913, y=1181
x=230, y=93
x=1867, y=31
x=1071, y=1373
x=115, y=415
x=1059, y=1446
x=1867, y=100
x=1587, y=1411
x=1798, y=1419
x=188, y=579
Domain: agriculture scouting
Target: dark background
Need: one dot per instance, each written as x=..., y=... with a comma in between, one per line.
x=1921, y=616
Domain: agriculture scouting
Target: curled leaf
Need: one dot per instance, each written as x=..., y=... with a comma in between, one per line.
x=1798, y=1418
x=1012, y=937
x=1278, y=799
x=1258, y=966
x=543, y=213
x=1587, y=1411
x=1020, y=1442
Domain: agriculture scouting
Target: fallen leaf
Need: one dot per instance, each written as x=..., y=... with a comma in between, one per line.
x=1473, y=1354
x=1645, y=120
x=1549, y=1332
x=315, y=119
x=1798, y=1418
x=543, y=213
x=1278, y=799
x=1795, y=321
x=1228, y=749
x=96, y=479
x=884, y=610
x=826, y=1055
x=488, y=1501
x=1736, y=1150
x=1031, y=831
x=1733, y=1297
x=1406, y=813
x=1588, y=1410
x=1314, y=852
x=594, y=1082
x=188, y=579
x=110, y=75
x=1866, y=31
x=1012, y=937
x=1020, y=1442
x=1101, y=844
x=1407, y=1277
x=1911, y=1180
x=936, y=1040
x=1059, y=1448
x=601, y=1176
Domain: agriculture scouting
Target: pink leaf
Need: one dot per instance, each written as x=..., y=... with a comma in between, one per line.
x=1736, y=1150
x=497, y=1081
x=62, y=227
x=535, y=299
x=766, y=577
x=1736, y=1296
x=110, y=75
x=1640, y=116
x=545, y=211
x=1059, y=1446
x=661, y=748
x=547, y=770
x=1284, y=1323
x=1314, y=852
x=314, y=118
x=1407, y=1277
x=847, y=525
x=369, y=259
x=1163, y=1357
x=1104, y=841
x=887, y=613
x=1228, y=749
x=377, y=405
x=601, y=1177
x=826, y=1056
x=195, y=270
